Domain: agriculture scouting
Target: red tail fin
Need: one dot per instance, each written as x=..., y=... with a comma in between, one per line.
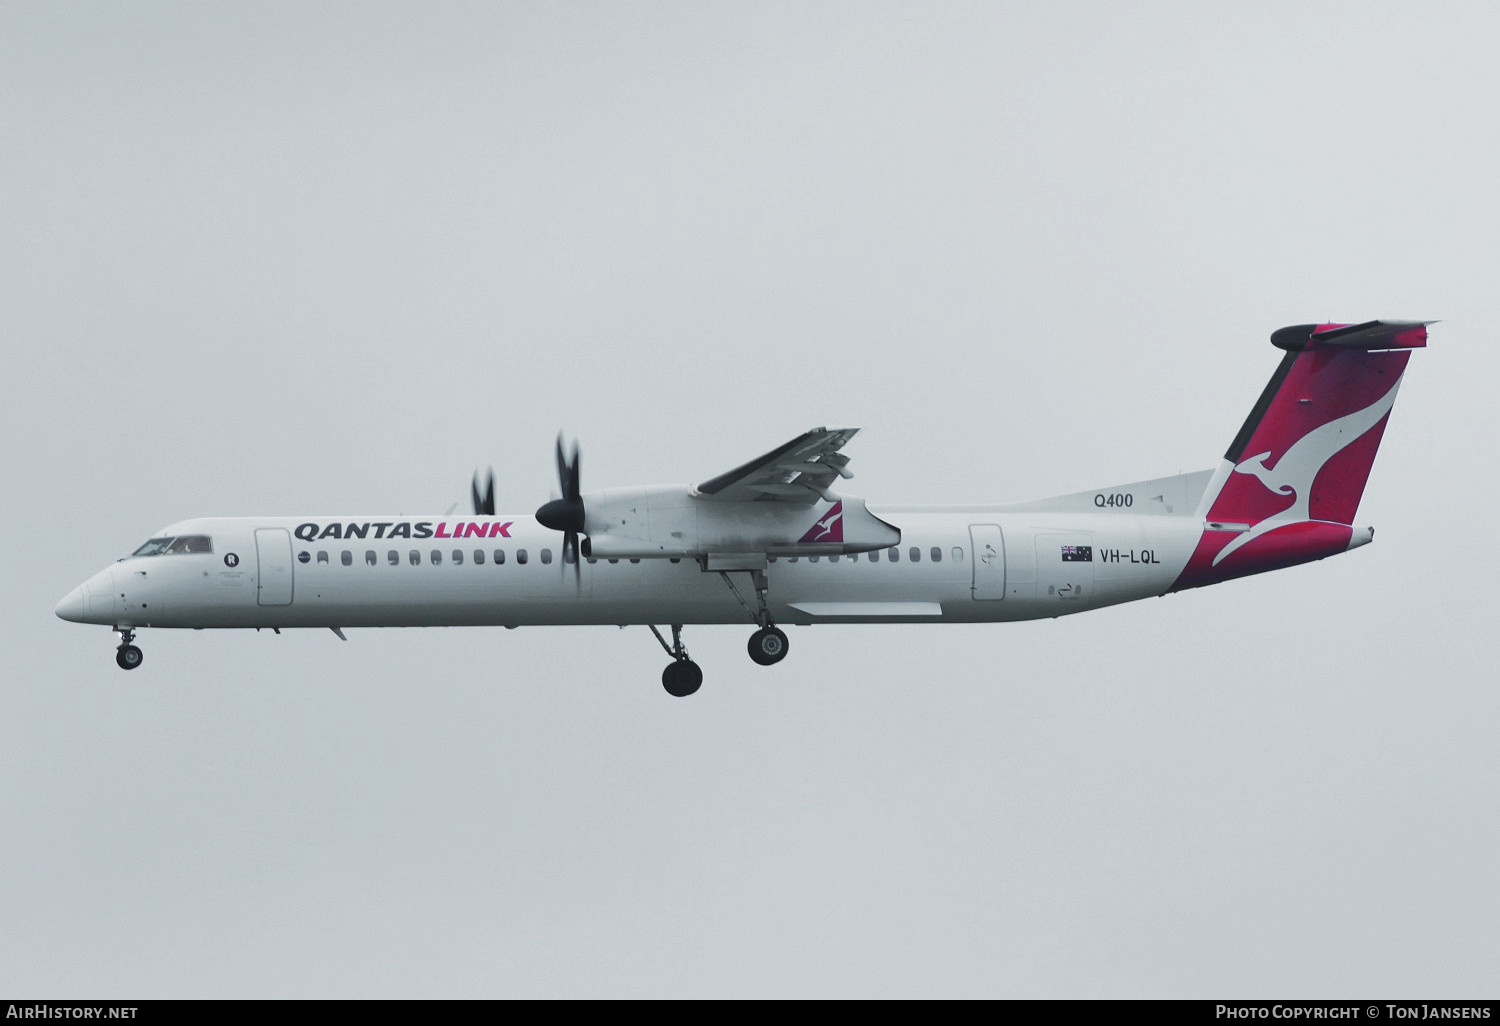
x=1292, y=479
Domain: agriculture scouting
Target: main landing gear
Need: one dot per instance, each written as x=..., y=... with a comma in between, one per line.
x=127, y=656
x=767, y=645
x=682, y=676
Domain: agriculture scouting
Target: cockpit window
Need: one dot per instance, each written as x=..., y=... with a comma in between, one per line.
x=185, y=544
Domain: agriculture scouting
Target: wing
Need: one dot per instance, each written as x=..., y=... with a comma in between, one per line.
x=799, y=472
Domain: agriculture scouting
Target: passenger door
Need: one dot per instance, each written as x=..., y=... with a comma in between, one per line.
x=988, y=548
x=273, y=552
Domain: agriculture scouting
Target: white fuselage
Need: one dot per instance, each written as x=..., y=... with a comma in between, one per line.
x=956, y=564
x=770, y=542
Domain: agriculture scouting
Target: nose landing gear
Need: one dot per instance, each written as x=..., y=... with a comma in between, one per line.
x=127, y=656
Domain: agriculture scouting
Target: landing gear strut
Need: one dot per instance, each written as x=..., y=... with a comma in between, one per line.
x=127, y=656
x=767, y=645
x=682, y=676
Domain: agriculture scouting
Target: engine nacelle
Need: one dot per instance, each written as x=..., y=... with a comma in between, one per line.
x=669, y=521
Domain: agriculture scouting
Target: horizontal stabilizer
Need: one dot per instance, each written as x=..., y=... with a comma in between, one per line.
x=1369, y=335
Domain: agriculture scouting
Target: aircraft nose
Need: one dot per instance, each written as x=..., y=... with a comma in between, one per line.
x=72, y=606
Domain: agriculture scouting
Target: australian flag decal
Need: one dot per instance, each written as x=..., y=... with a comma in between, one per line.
x=1077, y=553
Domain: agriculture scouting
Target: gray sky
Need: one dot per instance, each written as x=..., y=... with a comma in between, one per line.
x=289, y=258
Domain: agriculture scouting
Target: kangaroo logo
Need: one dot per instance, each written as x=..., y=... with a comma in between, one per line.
x=1294, y=473
x=829, y=529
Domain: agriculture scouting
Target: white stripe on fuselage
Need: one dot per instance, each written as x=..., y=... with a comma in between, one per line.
x=1133, y=557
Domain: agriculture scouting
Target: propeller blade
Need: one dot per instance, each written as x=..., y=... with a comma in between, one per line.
x=484, y=504
x=566, y=514
x=570, y=555
x=568, y=472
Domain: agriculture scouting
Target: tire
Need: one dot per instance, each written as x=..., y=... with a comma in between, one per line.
x=128, y=657
x=767, y=646
x=682, y=678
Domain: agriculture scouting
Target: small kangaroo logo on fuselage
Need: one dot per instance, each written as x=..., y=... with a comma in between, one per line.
x=829, y=529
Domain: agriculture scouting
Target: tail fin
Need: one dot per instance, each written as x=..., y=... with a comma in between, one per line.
x=1291, y=481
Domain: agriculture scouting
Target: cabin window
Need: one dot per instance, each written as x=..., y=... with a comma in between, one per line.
x=916, y=554
x=833, y=559
x=346, y=557
x=370, y=556
x=875, y=556
x=437, y=557
x=636, y=559
x=590, y=560
x=458, y=557
x=304, y=556
x=570, y=556
x=546, y=555
x=479, y=557
x=415, y=558
x=393, y=557
x=675, y=559
x=813, y=559
x=499, y=556
x=958, y=554
x=792, y=559
x=936, y=554
x=521, y=556
x=893, y=554
x=613, y=561
x=322, y=556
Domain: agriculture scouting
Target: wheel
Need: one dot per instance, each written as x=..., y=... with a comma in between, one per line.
x=129, y=657
x=682, y=678
x=768, y=645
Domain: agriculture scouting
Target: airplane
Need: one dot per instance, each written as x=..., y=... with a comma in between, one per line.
x=770, y=543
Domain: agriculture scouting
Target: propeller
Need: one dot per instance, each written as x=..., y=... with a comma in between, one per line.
x=566, y=514
x=484, y=505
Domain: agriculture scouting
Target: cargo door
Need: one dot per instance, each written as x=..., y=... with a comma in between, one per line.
x=1064, y=566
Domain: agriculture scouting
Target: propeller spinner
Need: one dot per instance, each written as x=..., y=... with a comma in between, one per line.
x=566, y=514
